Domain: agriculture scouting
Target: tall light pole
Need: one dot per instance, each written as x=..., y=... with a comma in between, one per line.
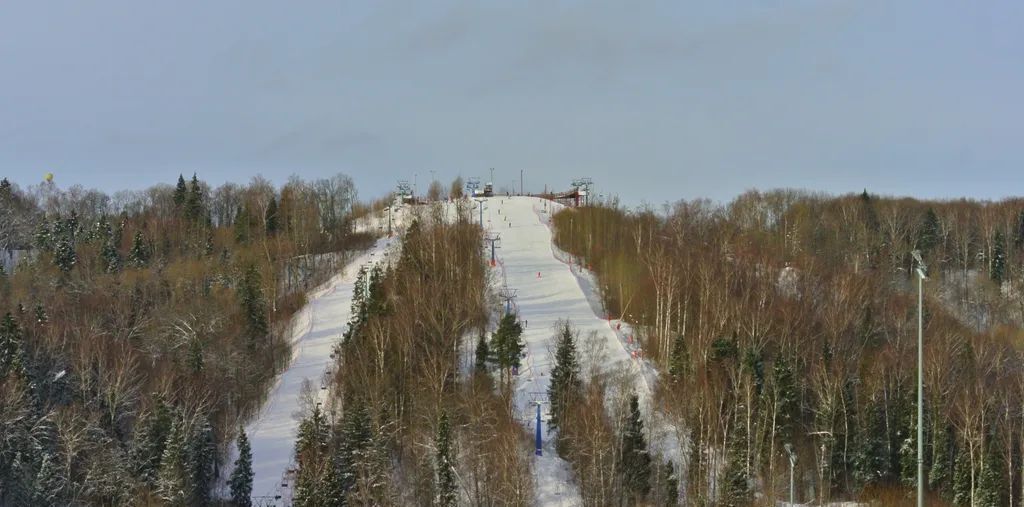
x=792, y=464
x=920, y=270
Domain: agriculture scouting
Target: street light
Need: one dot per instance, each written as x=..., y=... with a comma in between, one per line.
x=920, y=270
x=792, y=464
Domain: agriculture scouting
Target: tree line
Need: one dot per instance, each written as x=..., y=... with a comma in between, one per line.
x=139, y=330
x=790, y=317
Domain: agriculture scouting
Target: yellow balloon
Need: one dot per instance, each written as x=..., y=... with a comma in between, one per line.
x=48, y=177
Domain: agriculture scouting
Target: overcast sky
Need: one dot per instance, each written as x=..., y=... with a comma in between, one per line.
x=655, y=101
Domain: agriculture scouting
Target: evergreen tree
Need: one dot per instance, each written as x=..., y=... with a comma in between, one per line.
x=139, y=255
x=787, y=403
x=40, y=315
x=565, y=385
x=679, y=358
x=941, y=469
x=195, y=355
x=931, y=232
x=671, y=483
x=311, y=484
x=1018, y=239
x=635, y=465
x=150, y=441
x=270, y=218
x=241, y=476
x=180, y=192
x=64, y=256
x=194, y=200
x=447, y=487
x=992, y=486
x=10, y=346
x=111, y=259
x=506, y=346
x=736, y=480
x=352, y=447
x=241, y=225
x=171, y=482
x=998, y=269
x=201, y=460
x=250, y=291
x=481, y=354
x=962, y=478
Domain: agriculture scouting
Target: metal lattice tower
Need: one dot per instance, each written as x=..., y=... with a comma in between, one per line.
x=492, y=238
x=509, y=295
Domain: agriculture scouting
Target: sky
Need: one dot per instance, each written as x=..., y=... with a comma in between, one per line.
x=655, y=101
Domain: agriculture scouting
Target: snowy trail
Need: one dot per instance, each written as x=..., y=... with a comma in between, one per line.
x=550, y=289
x=316, y=328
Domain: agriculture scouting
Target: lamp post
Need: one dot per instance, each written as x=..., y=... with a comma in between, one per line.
x=792, y=464
x=920, y=270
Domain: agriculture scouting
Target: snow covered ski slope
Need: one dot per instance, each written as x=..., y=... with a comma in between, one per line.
x=316, y=328
x=550, y=289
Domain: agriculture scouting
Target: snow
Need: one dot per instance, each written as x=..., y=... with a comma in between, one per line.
x=550, y=289
x=315, y=330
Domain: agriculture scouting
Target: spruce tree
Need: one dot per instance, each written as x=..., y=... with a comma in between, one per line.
x=679, y=358
x=241, y=477
x=931, y=231
x=482, y=354
x=180, y=192
x=635, y=465
x=111, y=259
x=940, y=471
x=352, y=445
x=64, y=256
x=241, y=225
x=506, y=346
x=992, y=486
x=150, y=441
x=194, y=200
x=447, y=487
x=201, y=460
x=139, y=255
x=250, y=292
x=998, y=269
x=270, y=217
x=962, y=478
x=10, y=346
x=565, y=385
x=736, y=480
x=172, y=479
x=671, y=484
x=787, y=403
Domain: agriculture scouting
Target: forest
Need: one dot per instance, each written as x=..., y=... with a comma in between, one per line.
x=790, y=318
x=140, y=329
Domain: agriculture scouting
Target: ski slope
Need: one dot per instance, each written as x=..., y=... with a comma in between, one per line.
x=550, y=289
x=316, y=329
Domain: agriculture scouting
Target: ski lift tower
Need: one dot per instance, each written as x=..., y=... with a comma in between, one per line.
x=480, y=203
x=472, y=186
x=492, y=238
x=509, y=295
x=404, y=191
x=582, y=186
x=538, y=398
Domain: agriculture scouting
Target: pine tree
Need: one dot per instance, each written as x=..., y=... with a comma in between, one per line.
x=671, y=483
x=940, y=471
x=171, y=482
x=241, y=476
x=998, y=269
x=241, y=225
x=64, y=256
x=180, y=192
x=565, y=385
x=311, y=485
x=353, y=442
x=635, y=465
x=447, y=488
x=679, y=359
x=270, y=218
x=139, y=255
x=787, y=406
x=111, y=259
x=736, y=480
x=481, y=354
x=195, y=355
